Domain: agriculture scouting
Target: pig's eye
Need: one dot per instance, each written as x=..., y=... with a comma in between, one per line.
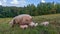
x=26, y=20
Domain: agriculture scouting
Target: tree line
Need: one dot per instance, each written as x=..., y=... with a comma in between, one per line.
x=40, y=9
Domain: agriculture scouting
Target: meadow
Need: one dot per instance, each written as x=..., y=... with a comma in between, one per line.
x=52, y=28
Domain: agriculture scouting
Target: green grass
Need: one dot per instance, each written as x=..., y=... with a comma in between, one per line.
x=52, y=28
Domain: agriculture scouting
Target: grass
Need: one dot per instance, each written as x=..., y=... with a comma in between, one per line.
x=52, y=28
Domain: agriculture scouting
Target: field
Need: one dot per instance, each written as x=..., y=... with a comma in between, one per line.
x=52, y=28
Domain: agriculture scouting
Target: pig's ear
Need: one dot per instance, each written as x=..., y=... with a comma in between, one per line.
x=31, y=19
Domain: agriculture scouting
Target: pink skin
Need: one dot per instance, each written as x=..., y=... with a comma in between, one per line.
x=23, y=26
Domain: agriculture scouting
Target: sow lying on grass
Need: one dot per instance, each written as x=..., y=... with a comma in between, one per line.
x=23, y=19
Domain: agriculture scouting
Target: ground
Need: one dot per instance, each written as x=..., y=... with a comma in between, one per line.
x=52, y=28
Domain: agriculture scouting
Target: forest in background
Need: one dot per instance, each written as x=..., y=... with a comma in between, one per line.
x=31, y=9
